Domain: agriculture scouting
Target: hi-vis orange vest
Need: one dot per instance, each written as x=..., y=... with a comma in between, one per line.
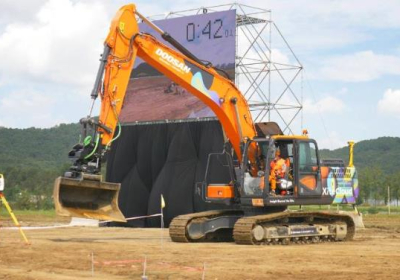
x=279, y=167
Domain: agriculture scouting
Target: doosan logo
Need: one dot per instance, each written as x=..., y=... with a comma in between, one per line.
x=172, y=60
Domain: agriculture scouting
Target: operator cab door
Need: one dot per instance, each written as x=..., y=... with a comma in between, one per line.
x=254, y=180
x=308, y=169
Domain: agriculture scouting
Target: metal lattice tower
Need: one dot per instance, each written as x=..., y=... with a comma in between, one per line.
x=269, y=78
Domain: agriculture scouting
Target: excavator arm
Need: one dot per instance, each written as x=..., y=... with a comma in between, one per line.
x=124, y=43
x=81, y=192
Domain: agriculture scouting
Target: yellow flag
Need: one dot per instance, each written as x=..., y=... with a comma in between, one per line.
x=162, y=202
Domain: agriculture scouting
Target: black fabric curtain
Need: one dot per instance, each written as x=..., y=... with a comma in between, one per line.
x=168, y=159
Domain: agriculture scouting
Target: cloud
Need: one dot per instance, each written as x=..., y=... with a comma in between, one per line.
x=332, y=141
x=278, y=56
x=59, y=45
x=30, y=108
x=16, y=11
x=49, y=60
x=390, y=103
x=315, y=25
x=355, y=12
x=51, y=49
x=359, y=67
x=327, y=104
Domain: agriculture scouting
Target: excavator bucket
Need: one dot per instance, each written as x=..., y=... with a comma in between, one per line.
x=87, y=197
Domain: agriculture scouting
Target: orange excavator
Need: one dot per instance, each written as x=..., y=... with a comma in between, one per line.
x=257, y=214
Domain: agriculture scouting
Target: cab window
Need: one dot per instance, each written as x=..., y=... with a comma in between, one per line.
x=307, y=156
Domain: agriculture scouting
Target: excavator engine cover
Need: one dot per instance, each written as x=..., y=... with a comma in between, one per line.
x=87, y=197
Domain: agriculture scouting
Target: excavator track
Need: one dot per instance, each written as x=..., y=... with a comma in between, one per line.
x=179, y=229
x=293, y=227
x=268, y=229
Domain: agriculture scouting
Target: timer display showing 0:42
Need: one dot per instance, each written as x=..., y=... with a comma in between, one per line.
x=212, y=30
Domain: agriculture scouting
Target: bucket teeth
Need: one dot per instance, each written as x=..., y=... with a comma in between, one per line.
x=88, y=197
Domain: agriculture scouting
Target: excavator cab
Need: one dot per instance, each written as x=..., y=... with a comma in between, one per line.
x=303, y=179
x=275, y=170
x=298, y=173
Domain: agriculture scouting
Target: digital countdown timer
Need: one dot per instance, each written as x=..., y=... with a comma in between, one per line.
x=210, y=36
x=212, y=30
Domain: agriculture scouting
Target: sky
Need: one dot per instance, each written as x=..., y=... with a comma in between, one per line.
x=350, y=51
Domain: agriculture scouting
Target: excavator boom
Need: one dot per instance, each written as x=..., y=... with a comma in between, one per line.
x=216, y=91
x=81, y=192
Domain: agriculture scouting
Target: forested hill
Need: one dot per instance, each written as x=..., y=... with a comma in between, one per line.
x=35, y=147
x=32, y=158
x=383, y=152
x=48, y=148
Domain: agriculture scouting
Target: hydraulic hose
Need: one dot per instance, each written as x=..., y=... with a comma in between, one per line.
x=95, y=147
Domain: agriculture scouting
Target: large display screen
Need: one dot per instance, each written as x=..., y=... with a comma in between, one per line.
x=153, y=97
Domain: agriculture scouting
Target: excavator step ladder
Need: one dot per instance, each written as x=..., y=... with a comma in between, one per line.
x=10, y=211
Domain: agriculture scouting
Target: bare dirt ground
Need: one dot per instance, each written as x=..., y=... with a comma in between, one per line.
x=65, y=253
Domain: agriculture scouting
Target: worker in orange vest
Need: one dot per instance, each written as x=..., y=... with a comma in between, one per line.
x=278, y=169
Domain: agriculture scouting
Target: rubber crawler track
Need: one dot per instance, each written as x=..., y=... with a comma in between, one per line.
x=177, y=228
x=242, y=232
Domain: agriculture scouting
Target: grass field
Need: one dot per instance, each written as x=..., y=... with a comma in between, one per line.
x=32, y=217
x=372, y=216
